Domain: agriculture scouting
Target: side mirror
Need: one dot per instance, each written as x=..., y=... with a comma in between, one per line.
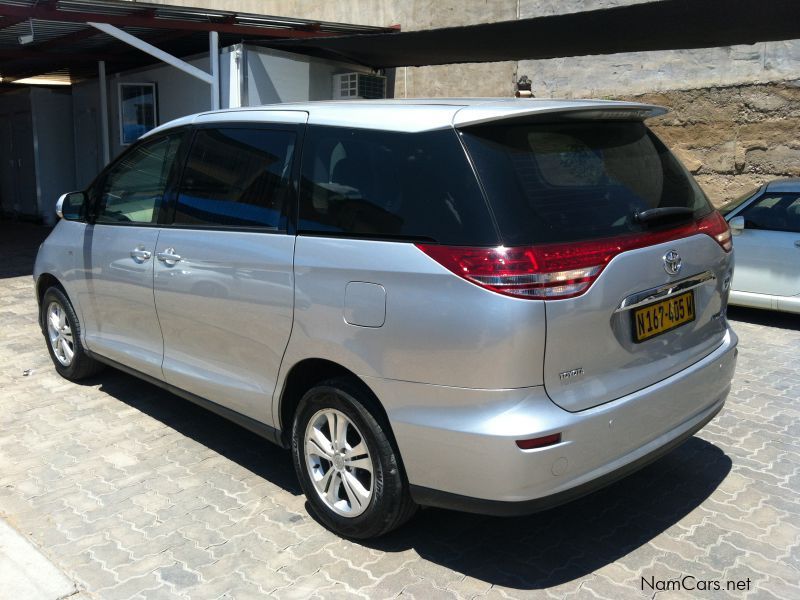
x=737, y=225
x=70, y=206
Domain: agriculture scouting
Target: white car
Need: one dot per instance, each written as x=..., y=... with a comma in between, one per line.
x=766, y=238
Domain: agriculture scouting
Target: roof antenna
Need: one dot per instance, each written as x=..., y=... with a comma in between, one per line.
x=524, y=88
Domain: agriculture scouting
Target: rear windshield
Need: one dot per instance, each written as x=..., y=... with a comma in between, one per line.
x=558, y=182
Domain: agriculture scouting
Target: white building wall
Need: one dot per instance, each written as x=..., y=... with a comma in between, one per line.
x=53, y=147
x=36, y=150
x=86, y=128
x=178, y=94
x=275, y=76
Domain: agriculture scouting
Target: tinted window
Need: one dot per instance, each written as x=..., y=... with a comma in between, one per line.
x=560, y=182
x=776, y=211
x=364, y=183
x=133, y=188
x=236, y=177
x=728, y=208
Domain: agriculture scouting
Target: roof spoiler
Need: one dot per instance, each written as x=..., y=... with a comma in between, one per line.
x=591, y=111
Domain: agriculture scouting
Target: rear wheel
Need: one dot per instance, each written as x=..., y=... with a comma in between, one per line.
x=346, y=462
x=62, y=332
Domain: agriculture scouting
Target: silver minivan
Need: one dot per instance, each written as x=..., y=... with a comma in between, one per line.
x=488, y=305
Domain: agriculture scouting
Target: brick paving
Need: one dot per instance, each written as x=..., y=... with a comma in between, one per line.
x=136, y=493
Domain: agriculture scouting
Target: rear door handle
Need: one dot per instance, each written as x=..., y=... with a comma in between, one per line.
x=140, y=254
x=168, y=256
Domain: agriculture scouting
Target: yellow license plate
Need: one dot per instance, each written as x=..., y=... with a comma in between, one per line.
x=655, y=319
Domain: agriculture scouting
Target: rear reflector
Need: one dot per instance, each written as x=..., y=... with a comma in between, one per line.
x=540, y=442
x=558, y=271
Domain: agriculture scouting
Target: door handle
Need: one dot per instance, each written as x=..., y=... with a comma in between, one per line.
x=797, y=243
x=168, y=256
x=140, y=254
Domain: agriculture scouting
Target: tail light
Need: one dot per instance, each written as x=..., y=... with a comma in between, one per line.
x=716, y=226
x=558, y=271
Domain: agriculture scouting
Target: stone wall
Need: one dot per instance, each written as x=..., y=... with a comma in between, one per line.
x=732, y=138
x=582, y=76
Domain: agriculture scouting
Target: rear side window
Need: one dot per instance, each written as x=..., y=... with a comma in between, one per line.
x=559, y=182
x=377, y=184
x=236, y=177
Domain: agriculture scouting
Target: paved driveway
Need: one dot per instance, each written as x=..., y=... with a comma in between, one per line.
x=136, y=493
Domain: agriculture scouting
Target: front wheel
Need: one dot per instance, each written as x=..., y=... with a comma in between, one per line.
x=346, y=462
x=62, y=333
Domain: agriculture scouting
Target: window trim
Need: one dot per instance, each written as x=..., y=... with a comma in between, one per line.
x=166, y=218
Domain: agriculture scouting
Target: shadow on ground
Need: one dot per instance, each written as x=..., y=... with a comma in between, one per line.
x=533, y=552
x=223, y=437
x=574, y=540
x=768, y=318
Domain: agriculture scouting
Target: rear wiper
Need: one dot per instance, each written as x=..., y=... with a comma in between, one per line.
x=667, y=213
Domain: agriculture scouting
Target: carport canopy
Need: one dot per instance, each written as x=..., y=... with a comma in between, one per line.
x=65, y=48
x=662, y=25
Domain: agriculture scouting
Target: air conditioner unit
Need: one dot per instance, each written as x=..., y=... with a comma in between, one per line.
x=350, y=86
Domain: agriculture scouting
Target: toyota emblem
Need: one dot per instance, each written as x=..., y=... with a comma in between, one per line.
x=672, y=262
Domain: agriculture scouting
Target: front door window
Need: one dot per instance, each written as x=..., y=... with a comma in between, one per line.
x=133, y=189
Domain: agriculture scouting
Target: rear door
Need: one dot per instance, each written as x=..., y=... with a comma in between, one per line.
x=223, y=275
x=648, y=298
x=768, y=249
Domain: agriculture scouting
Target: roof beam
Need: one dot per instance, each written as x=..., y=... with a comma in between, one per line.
x=22, y=61
x=153, y=51
x=33, y=54
x=68, y=38
x=10, y=21
x=52, y=13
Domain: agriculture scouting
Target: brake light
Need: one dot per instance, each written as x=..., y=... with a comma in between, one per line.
x=559, y=271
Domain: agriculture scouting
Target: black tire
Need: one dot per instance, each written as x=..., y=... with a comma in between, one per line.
x=82, y=365
x=390, y=505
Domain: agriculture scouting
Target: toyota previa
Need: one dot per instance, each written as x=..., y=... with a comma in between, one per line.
x=494, y=306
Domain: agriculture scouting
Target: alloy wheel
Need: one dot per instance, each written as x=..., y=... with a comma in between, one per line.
x=60, y=334
x=339, y=462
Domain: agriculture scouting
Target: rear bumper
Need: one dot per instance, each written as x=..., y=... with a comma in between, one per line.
x=430, y=497
x=458, y=445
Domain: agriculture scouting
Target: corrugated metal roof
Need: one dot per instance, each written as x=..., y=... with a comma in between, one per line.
x=63, y=42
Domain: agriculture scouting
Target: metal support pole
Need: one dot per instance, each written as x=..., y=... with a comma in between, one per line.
x=213, y=53
x=101, y=71
x=152, y=50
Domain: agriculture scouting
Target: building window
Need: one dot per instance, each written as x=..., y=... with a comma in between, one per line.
x=137, y=110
